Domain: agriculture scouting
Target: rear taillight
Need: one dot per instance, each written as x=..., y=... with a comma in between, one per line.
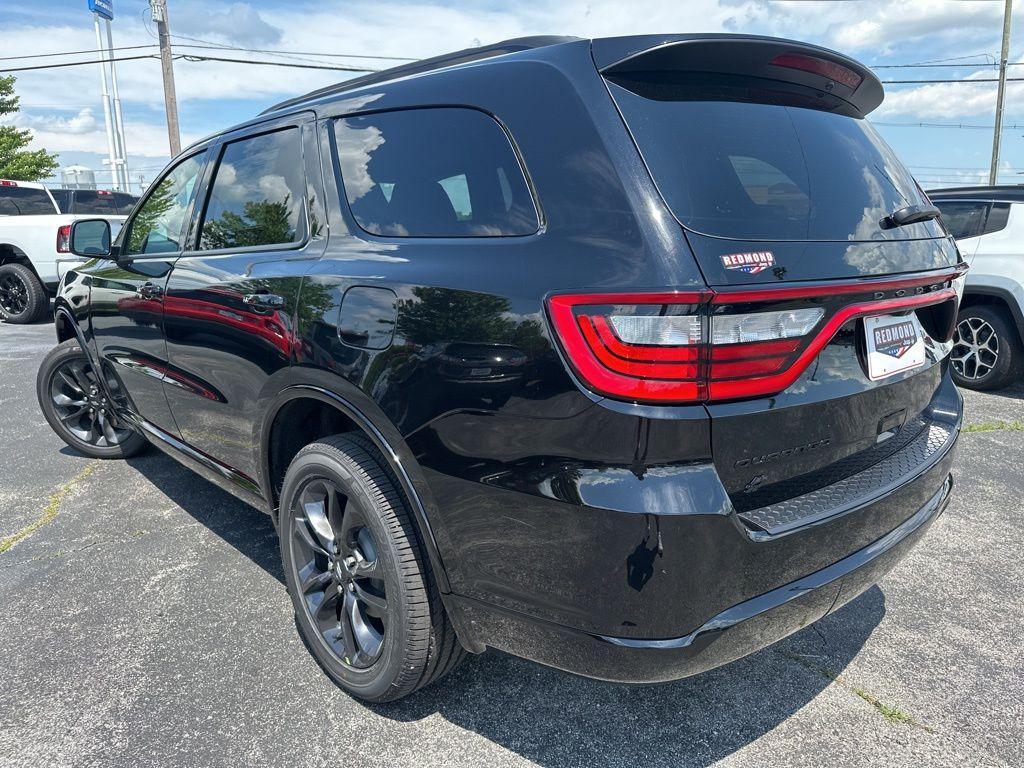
x=691, y=347
x=64, y=239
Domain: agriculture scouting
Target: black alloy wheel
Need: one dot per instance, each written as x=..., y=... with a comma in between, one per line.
x=363, y=589
x=22, y=297
x=13, y=294
x=335, y=558
x=78, y=408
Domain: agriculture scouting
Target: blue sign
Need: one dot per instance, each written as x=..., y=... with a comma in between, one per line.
x=104, y=8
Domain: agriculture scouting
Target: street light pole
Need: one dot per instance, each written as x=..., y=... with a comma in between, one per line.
x=159, y=10
x=1000, y=94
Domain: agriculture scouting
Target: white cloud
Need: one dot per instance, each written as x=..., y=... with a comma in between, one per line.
x=82, y=123
x=239, y=23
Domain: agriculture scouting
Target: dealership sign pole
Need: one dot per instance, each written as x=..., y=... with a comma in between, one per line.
x=104, y=9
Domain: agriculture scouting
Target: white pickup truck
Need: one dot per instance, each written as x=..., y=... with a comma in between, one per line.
x=35, y=224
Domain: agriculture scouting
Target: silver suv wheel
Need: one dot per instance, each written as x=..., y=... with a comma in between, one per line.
x=975, y=348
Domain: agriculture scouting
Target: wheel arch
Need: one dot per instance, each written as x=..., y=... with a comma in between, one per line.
x=998, y=297
x=12, y=254
x=352, y=409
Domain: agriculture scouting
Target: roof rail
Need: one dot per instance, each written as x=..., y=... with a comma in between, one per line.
x=427, y=65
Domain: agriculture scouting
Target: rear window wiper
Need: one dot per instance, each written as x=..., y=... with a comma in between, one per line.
x=910, y=214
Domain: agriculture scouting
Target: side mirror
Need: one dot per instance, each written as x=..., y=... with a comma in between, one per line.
x=91, y=238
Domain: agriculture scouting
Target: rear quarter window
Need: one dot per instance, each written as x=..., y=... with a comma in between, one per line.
x=445, y=172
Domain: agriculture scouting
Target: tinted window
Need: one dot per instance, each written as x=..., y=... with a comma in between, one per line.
x=433, y=173
x=257, y=193
x=998, y=216
x=734, y=160
x=94, y=201
x=22, y=201
x=63, y=199
x=160, y=226
x=963, y=219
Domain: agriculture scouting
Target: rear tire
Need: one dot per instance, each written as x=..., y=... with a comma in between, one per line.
x=23, y=298
x=986, y=349
x=72, y=400
x=362, y=587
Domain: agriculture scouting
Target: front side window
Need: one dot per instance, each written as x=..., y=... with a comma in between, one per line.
x=256, y=197
x=963, y=219
x=160, y=226
x=998, y=216
x=433, y=173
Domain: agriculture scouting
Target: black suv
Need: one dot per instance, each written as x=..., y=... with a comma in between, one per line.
x=626, y=355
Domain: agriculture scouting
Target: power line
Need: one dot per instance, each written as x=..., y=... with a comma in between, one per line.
x=194, y=57
x=212, y=47
x=190, y=57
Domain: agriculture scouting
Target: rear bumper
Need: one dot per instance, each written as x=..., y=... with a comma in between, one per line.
x=731, y=634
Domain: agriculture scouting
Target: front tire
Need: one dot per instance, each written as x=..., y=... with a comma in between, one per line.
x=75, y=406
x=361, y=585
x=986, y=349
x=22, y=297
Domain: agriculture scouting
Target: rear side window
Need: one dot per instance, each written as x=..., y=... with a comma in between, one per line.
x=433, y=173
x=963, y=219
x=94, y=201
x=736, y=159
x=998, y=216
x=256, y=197
x=23, y=201
x=971, y=218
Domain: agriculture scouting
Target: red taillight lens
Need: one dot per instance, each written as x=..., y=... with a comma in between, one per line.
x=644, y=347
x=816, y=66
x=64, y=239
x=714, y=346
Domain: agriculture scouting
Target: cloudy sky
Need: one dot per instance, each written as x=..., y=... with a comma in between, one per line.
x=62, y=106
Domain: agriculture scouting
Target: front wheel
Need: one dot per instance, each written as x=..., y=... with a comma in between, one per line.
x=364, y=596
x=75, y=405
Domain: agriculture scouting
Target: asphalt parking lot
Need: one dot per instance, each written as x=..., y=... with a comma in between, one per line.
x=143, y=622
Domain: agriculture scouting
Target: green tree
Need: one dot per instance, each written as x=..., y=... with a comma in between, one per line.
x=260, y=223
x=16, y=162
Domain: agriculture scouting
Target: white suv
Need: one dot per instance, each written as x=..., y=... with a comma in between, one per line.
x=988, y=224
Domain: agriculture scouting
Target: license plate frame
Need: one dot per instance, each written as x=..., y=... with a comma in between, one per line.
x=894, y=344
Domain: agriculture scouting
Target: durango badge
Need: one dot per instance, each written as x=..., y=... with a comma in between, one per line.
x=751, y=262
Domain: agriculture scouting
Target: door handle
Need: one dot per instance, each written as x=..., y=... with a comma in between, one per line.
x=150, y=291
x=264, y=301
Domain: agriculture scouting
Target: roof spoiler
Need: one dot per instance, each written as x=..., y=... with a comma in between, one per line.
x=766, y=57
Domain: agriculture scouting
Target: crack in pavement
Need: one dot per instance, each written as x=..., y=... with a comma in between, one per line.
x=50, y=510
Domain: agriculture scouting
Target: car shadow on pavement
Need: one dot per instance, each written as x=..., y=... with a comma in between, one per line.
x=556, y=719
x=245, y=528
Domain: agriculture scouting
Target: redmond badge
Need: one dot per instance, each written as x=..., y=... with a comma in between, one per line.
x=895, y=340
x=751, y=262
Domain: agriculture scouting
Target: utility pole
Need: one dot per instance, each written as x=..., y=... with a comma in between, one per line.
x=1000, y=94
x=159, y=10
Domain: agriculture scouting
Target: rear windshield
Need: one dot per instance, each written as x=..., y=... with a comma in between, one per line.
x=733, y=159
x=23, y=201
x=88, y=201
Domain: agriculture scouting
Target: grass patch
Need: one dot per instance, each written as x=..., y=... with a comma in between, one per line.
x=995, y=426
x=891, y=713
x=50, y=510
